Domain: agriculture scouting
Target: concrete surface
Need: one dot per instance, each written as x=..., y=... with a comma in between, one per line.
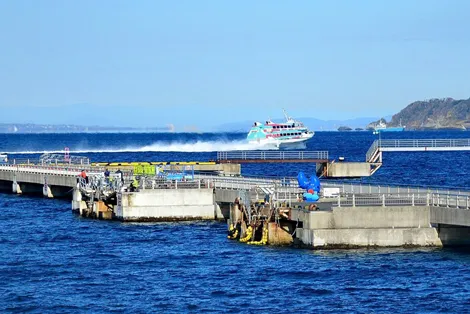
x=167, y=205
x=348, y=169
x=454, y=235
x=366, y=226
x=379, y=237
x=450, y=216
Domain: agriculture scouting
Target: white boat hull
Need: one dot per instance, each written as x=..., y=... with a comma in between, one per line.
x=292, y=143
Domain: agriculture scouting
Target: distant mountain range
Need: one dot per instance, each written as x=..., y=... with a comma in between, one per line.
x=444, y=113
x=66, y=128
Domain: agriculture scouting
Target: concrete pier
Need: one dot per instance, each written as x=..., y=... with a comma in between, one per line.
x=353, y=216
x=38, y=180
x=366, y=227
x=167, y=205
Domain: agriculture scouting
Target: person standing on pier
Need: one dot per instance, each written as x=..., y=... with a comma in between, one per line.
x=119, y=172
x=106, y=175
x=84, y=176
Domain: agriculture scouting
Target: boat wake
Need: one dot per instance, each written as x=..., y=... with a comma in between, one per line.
x=163, y=146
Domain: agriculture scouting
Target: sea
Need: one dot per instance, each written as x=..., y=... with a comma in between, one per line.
x=52, y=261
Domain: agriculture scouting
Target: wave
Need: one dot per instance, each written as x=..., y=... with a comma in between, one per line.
x=197, y=146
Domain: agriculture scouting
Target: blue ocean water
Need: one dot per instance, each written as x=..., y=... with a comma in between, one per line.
x=54, y=261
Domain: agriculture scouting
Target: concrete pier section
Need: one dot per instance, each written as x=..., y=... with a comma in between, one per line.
x=167, y=205
x=38, y=180
x=183, y=201
x=260, y=210
x=395, y=226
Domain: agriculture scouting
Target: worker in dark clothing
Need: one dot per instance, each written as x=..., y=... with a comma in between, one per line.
x=119, y=172
x=106, y=175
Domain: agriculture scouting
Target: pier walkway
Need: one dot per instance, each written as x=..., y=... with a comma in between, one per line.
x=374, y=154
x=448, y=206
x=273, y=156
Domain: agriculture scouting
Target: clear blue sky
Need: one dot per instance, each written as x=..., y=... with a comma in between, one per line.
x=207, y=62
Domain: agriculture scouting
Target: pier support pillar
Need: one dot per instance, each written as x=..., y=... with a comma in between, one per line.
x=78, y=205
x=16, y=186
x=235, y=213
x=46, y=191
x=280, y=234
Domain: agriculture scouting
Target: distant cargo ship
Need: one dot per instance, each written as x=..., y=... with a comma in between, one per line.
x=382, y=127
x=289, y=134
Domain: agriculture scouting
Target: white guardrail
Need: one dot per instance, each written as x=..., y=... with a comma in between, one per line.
x=350, y=194
x=353, y=194
x=272, y=155
x=429, y=199
x=422, y=143
x=417, y=145
x=356, y=188
x=41, y=169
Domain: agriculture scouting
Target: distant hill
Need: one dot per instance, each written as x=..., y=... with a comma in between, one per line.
x=444, y=113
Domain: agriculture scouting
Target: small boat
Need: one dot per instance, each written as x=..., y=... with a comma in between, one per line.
x=291, y=134
x=3, y=158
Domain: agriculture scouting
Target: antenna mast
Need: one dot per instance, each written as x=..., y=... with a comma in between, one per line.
x=285, y=114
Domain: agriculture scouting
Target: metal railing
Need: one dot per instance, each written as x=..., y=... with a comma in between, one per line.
x=372, y=150
x=424, y=143
x=350, y=188
x=59, y=169
x=51, y=158
x=450, y=200
x=384, y=199
x=249, y=182
x=157, y=184
x=357, y=200
x=272, y=155
x=416, y=144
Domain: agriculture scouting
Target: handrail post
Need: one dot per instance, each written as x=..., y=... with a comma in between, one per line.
x=339, y=200
x=427, y=199
x=413, y=199
x=354, y=200
x=383, y=200
x=447, y=200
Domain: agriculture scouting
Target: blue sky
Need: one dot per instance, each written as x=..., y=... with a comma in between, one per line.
x=205, y=63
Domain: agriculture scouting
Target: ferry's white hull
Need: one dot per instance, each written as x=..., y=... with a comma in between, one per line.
x=291, y=143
